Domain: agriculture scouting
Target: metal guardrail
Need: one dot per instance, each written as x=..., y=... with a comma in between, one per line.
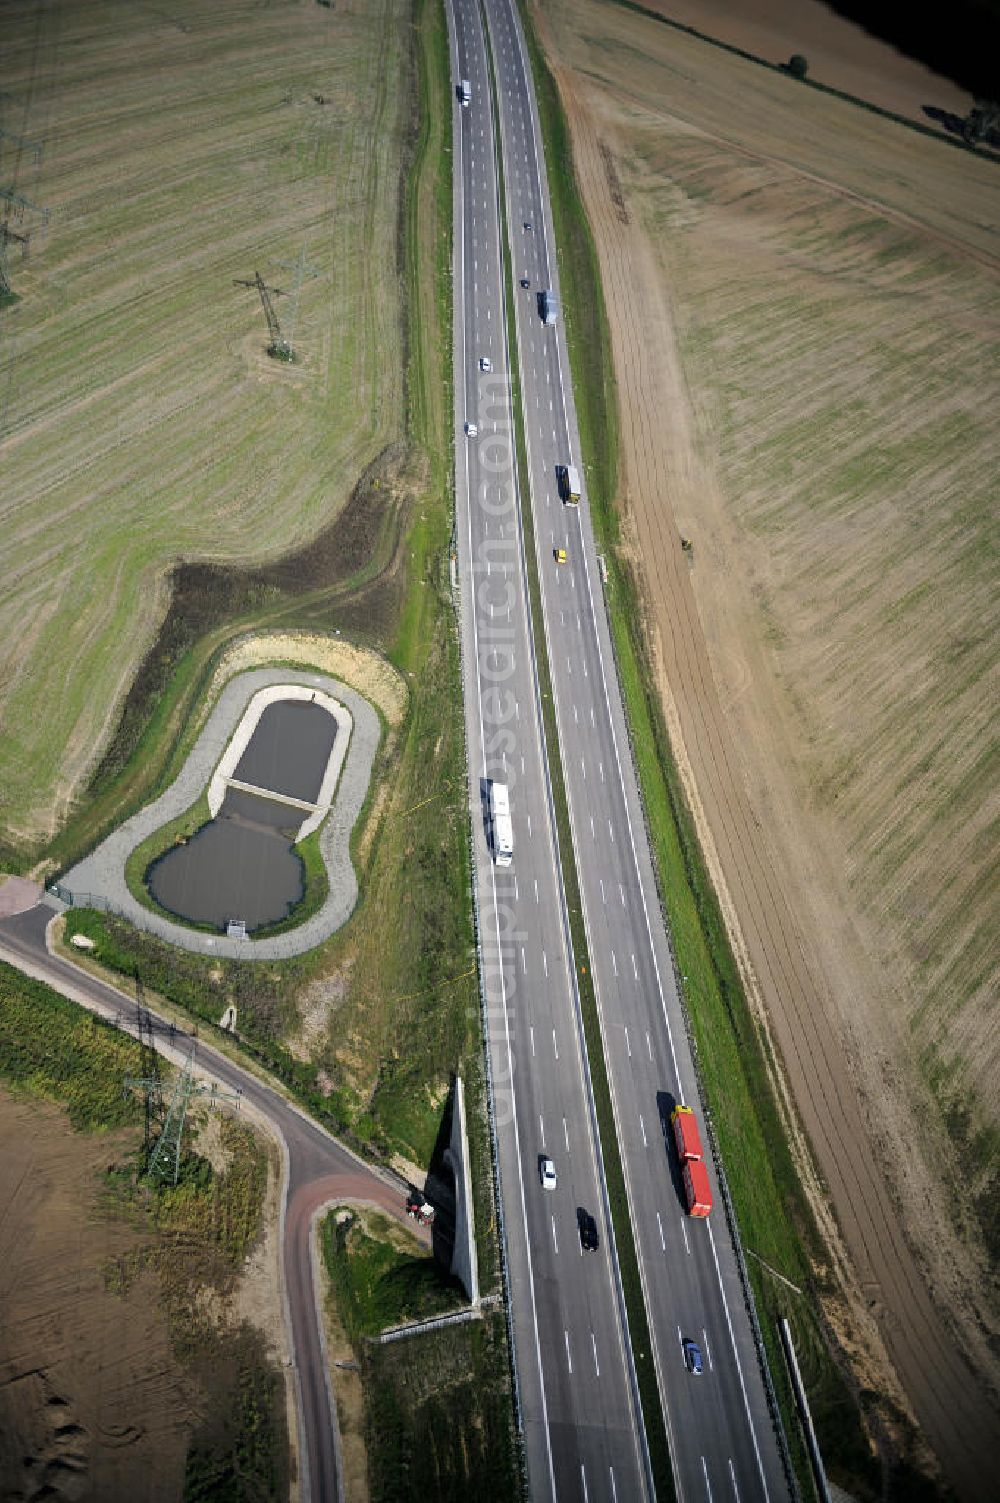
x=421, y=1327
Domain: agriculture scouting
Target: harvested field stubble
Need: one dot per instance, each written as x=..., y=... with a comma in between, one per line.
x=144, y=422
x=805, y=307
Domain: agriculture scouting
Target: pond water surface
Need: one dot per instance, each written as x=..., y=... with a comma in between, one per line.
x=243, y=864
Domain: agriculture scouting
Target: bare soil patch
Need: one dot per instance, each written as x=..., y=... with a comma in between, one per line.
x=794, y=291
x=92, y=1400
x=367, y=671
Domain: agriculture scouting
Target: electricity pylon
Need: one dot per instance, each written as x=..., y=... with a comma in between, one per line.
x=14, y=203
x=278, y=345
x=302, y=270
x=165, y=1160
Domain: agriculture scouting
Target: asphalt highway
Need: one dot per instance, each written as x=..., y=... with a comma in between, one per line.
x=318, y=1170
x=582, y=1429
x=719, y=1428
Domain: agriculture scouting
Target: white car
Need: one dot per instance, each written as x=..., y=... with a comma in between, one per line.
x=547, y=1173
x=486, y=364
x=471, y=430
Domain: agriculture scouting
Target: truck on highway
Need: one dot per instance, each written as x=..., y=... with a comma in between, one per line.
x=694, y=1175
x=569, y=483
x=548, y=305
x=501, y=829
x=465, y=92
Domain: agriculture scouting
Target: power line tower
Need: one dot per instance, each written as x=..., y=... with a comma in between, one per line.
x=149, y=1065
x=164, y=1162
x=14, y=204
x=303, y=271
x=278, y=346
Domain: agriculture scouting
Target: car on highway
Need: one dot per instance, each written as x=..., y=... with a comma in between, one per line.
x=471, y=430
x=528, y=225
x=589, y=1239
x=485, y=363
x=559, y=555
x=525, y=282
x=547, y=1173
x=692, y=1356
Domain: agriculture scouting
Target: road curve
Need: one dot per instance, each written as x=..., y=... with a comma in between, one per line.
x=317, y=1170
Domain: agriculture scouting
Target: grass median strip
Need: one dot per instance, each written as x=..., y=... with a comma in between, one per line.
x=614, y=1174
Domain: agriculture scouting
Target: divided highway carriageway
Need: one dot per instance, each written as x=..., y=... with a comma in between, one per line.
x=577, y=1393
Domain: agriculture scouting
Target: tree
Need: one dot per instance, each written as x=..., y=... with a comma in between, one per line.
x=797, y=65
x=982, y=122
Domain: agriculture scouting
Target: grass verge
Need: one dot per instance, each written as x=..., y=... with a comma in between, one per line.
x=656, y=1437
x=438, y=1415
x=377, y=1280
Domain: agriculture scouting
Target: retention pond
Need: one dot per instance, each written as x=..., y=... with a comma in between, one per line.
x=242, y=865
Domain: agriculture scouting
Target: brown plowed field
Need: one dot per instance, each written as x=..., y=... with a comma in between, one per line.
x=802, y=300
x=93, y=1401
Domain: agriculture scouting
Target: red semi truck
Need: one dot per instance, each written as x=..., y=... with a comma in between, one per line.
x=693, y=1172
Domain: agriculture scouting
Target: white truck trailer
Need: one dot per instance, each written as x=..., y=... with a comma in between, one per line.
x=569, y=484
x=501, y=829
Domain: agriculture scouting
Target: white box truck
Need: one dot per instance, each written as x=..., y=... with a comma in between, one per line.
x=465, y=91
x=569, y=484
x=501, y=829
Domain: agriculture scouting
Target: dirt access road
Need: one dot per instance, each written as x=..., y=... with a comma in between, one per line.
x=782, y=961
x=318, y=1172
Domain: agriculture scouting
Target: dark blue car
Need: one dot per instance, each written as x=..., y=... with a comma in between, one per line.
x=692, y=1356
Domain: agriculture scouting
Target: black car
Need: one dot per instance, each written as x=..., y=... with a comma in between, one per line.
x=527, y=224
x=589, y=1240
x=525, y=282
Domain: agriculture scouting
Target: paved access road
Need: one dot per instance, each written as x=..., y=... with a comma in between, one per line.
x=720, y=1432
x=318, y=1170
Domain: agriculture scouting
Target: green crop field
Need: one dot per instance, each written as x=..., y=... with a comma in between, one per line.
x=143, y=423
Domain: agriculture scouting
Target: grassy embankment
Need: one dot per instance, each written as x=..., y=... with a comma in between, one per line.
x=431, y=1430
x=377, y=1283
x=656, y=1437
x=195, y=1236
x=774, y=1218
